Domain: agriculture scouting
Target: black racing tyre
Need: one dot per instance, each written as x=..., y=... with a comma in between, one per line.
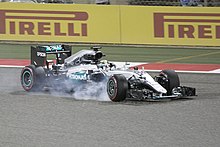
x=171, y=80
x=117, y=87
x=33, y=78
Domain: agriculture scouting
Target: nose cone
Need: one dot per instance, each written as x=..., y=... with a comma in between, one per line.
x=163, y=90
x=159, y=88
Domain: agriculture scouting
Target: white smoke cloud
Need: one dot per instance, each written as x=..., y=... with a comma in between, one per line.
x=92, y=91
x=87, y=91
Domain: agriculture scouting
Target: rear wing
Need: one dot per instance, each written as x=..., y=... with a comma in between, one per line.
x=39, y=53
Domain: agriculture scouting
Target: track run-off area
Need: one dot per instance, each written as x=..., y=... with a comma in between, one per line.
x=44, y=119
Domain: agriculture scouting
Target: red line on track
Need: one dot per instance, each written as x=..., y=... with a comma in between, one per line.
x=150, y=66
x=14, y=62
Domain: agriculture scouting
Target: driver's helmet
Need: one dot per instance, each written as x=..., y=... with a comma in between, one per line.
x=106, y=65
x=103, y=64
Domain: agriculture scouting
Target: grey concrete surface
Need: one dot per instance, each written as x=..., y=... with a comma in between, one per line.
x=44, y=120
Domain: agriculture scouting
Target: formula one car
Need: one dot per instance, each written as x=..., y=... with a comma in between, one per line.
x=70, y=72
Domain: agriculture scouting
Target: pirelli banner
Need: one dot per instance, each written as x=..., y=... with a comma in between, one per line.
x=59, y=23
x=198, y=26
x=171, y=25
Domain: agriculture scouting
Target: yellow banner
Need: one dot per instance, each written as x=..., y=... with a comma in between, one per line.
x=59, y=23
x=198, y=26
x=170, y=25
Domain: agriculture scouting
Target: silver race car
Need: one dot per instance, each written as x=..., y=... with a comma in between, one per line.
x=70, y=72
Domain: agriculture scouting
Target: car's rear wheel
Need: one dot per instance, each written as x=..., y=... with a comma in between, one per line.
x=32, y=78
x=117, y=87
x=170, y=80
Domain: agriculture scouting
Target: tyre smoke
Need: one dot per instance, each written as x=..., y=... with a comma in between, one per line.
x=82, y=91
x=92, y=91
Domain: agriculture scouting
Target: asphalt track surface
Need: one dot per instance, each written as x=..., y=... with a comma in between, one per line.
x=33, y=120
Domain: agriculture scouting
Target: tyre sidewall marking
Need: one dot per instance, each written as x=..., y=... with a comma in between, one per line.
x=24, y=71
x=112, y=79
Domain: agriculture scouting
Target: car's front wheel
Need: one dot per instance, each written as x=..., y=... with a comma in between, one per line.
x=117, y=87
x=170, y=80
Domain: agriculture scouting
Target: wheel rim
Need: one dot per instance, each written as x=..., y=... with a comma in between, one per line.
x=111, y=87
x=27, y=78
